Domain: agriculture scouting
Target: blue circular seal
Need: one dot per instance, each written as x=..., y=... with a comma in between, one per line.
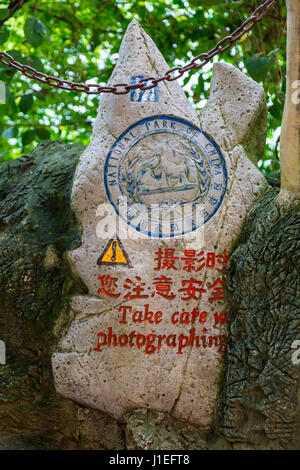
x=165, y=177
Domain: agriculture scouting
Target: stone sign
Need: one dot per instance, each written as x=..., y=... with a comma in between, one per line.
x=161, y=194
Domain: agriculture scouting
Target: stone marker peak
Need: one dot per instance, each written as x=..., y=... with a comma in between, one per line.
x=140, y=57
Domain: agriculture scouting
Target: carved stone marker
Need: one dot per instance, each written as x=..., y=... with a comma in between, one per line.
x=151, y=333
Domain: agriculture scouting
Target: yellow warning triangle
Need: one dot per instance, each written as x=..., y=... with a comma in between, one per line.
x=114, y=253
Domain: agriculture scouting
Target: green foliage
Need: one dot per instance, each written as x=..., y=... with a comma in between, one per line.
x=26, y=103
x=4, y=35
x=3, y=13
x=42, y=133
x=276, y=110
x=80, y=40
x=257, y=67
x=10, y=106
x=10, y=133
x=28, y=137
x=35, y=31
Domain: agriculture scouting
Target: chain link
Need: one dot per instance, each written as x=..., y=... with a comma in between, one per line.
x=143, y=84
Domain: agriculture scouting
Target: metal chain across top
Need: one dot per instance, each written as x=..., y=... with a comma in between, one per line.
x=143, y=83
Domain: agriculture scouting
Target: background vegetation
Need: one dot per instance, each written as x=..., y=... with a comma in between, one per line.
x=79, y=41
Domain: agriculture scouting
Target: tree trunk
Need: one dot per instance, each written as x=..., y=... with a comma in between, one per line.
x=290, y=134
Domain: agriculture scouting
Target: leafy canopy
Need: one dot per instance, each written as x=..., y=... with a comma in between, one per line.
x=80, y=40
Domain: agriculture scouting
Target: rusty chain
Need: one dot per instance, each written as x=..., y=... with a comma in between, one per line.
x=123, y=88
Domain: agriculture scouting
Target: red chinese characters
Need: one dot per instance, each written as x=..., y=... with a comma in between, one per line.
x=192, y=289
x=191, y=261
x=163, y=286
x=108, y=286
x=217, y=290
x=135, y=289
x=165, y=259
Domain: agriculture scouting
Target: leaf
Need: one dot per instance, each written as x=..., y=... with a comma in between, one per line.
x=4, y=12
x=28, y=137
x=35, y=62
x=4, y=34
x=276, y=110
x=4, y=157
x=10, y=100
x=257, y=67
x=39, y=95
x=17, y=56
x=42, y=29
x=43, y=133
x=6, y=73
x=10, y=133
x=34, y=31
x=26, y=103
x=247, y=44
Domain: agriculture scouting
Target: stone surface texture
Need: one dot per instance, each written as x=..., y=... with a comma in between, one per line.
x=36, y=227
x=116, y=379
x=152, y=430
x=259, y=405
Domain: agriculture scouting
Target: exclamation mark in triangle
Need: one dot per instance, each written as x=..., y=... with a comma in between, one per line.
x=114, y=254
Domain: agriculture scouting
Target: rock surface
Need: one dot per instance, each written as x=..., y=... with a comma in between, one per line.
x=260, y=402
x=151, y=430
x=117, y=379
x=258, y=406
x=36, y=227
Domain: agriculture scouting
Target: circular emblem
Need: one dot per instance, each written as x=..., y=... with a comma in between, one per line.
x=165, y=177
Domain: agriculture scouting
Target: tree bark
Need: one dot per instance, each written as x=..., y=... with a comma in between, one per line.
x=290, y=134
